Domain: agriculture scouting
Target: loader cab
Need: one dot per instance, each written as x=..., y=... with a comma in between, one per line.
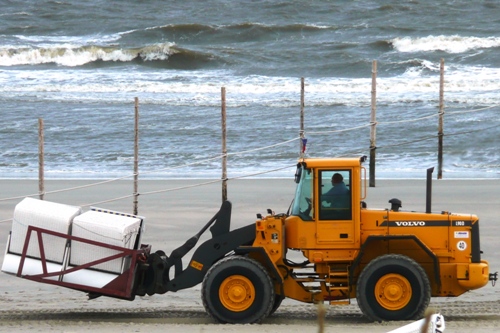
x=326, y=208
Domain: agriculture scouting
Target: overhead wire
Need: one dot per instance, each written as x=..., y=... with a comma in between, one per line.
x=474, y=110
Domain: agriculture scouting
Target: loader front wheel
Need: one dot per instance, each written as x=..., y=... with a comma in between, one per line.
x=237, y=290
x=277, y=302
x=393, y=287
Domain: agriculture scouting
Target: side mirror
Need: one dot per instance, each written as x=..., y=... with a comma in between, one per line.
x=298, y=173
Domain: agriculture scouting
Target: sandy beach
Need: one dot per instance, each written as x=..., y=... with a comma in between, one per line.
x=173, y=215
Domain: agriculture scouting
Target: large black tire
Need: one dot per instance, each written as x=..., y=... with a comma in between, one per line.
x=237, y=290
x=393, y=287
x=277, y=302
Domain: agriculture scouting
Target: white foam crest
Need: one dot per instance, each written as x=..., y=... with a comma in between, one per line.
x=65, y=56
x=157, y=52
x=318, y=26
x=15, y=14
x=74, y=55
x=449, y=44
x=47, y=41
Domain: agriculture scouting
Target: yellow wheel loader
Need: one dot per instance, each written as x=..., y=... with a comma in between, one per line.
x=392, y=261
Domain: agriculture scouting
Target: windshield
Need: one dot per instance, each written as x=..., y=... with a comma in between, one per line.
x=302, y=203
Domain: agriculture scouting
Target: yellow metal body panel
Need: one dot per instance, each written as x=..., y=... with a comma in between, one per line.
x=269, y=235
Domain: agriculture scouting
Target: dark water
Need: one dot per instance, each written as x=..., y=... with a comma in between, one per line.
x=79, y=65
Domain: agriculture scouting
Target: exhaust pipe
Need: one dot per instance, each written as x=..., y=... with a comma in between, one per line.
x=428, y=197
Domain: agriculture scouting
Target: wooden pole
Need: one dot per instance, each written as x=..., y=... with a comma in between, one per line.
x=41, y=180
x=373, y=128
x=321, y=317
x=224, y=149
x=302, y=103
x=136, y=157
x=441, y=116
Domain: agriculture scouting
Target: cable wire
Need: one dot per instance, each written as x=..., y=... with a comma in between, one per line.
x=475, y=110
x=342, y=130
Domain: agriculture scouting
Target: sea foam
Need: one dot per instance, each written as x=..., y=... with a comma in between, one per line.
x=449, y=44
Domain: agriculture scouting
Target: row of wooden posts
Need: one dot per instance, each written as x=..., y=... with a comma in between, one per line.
x=373, y=138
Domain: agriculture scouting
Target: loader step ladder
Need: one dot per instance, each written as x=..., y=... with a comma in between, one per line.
x=338, y=284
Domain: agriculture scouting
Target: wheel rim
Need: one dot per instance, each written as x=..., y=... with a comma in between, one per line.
x=393, y=291
x=236, y=293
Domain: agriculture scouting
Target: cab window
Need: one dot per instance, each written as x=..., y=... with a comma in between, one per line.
x=302, y=204
x=335, y=195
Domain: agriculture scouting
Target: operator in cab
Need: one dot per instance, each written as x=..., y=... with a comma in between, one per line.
x=338, y=186
x=338, y=195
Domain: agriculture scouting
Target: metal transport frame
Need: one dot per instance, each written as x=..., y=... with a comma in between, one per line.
x=120, y=287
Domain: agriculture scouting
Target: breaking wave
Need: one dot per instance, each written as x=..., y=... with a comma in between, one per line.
x=449, y=44
x=72, y=55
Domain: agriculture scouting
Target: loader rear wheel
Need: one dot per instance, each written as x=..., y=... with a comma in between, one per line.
x=237, y=290
x=393, y=287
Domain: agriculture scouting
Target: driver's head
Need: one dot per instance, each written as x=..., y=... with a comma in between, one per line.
x=337, y=178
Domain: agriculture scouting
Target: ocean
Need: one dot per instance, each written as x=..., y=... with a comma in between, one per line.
x=79, y=65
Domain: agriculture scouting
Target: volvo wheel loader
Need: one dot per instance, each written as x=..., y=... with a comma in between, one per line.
x=391, y=261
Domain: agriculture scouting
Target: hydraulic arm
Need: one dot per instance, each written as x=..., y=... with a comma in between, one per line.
x=154, y=275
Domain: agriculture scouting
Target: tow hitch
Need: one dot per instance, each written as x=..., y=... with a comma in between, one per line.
x=493, y=278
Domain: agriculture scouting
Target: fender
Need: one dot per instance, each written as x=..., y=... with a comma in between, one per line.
x=267, y=262
x=414, y=238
